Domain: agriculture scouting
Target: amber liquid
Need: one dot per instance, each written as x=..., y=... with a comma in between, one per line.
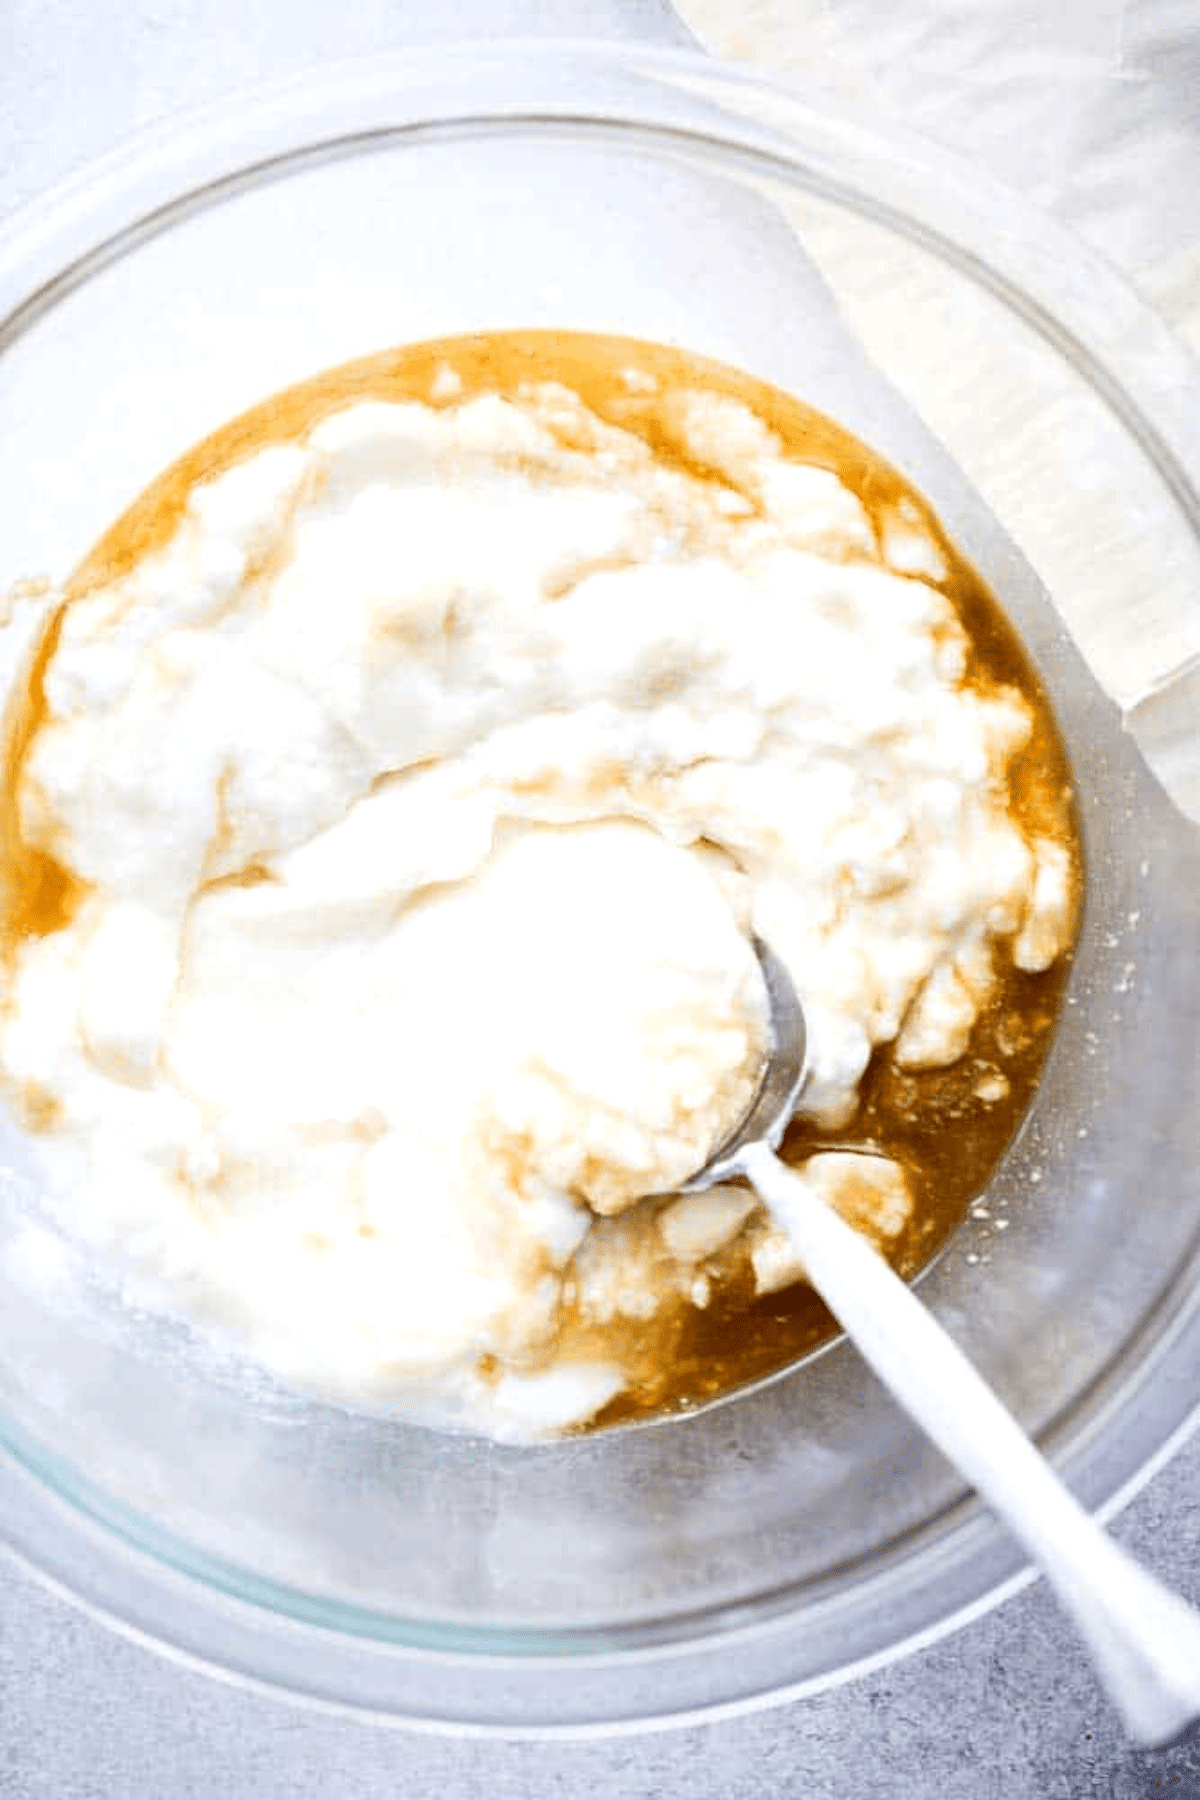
x=948, y=1138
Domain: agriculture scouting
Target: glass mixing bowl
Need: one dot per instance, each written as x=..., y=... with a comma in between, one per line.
x=802, y=1530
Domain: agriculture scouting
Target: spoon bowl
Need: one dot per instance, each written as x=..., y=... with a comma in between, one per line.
x=783, y=1077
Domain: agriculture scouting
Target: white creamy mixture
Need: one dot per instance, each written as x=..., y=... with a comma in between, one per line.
x=425, y=788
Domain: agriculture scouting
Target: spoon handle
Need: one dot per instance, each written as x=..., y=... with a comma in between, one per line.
x=1143, y=1639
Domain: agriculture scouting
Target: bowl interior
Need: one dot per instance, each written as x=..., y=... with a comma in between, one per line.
x=644, y=213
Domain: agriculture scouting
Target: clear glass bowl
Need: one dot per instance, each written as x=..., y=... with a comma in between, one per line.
x=775, y=1542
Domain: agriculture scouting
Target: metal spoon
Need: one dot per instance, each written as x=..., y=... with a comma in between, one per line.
x=1143, y=1639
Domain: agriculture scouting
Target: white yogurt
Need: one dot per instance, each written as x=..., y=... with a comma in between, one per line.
x=426, y=787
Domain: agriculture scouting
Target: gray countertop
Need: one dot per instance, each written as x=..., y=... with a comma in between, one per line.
x=1006, y=1709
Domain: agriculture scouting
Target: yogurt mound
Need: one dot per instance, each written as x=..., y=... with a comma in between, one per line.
x=423, y=793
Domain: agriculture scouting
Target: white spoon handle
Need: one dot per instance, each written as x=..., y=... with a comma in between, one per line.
x=1144, y=1640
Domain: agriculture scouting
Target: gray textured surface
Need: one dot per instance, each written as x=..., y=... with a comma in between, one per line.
x=1006, y=1710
